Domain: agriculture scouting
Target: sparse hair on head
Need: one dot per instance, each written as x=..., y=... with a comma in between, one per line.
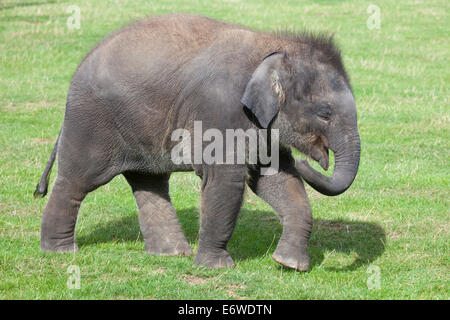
x=320, y=45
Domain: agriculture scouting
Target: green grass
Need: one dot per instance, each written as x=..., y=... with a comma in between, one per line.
x=394, y=217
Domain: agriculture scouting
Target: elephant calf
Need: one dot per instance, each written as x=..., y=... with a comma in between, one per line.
x=164, y=73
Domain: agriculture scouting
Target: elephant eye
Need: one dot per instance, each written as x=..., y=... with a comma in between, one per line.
x=324, y=113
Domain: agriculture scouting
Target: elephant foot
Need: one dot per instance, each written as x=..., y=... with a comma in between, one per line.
x=292, y=256
x=168, y=248
x=214, y=260
x=58, y=246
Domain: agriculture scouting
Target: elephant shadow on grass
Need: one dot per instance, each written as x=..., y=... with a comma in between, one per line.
x=257, y=233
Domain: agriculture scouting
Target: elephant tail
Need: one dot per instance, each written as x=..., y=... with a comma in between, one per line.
x=42, y=187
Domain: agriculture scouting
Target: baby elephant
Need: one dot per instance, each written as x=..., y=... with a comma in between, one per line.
x=135, y=91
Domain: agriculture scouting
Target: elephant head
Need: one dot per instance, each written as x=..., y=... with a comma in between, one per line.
x=308, y=98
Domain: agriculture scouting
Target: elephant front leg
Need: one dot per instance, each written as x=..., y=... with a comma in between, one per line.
x=286, y=194
x=222, y=191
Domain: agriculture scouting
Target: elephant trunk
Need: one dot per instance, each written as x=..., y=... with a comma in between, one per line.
x=346, y=147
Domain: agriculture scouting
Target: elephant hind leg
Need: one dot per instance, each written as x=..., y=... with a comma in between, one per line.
x=60, y=216
x=222, y=192
x=157, y=217
x=82, y=168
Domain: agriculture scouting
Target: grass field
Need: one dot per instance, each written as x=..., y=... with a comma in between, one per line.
x=392, y=225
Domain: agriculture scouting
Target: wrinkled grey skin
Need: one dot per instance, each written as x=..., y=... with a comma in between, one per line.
x=163, y=73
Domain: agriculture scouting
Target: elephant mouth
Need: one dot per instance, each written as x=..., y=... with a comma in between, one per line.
x=320, y=153
x=343, y=139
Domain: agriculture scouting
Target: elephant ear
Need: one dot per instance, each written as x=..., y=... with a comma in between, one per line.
x=264, y=93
